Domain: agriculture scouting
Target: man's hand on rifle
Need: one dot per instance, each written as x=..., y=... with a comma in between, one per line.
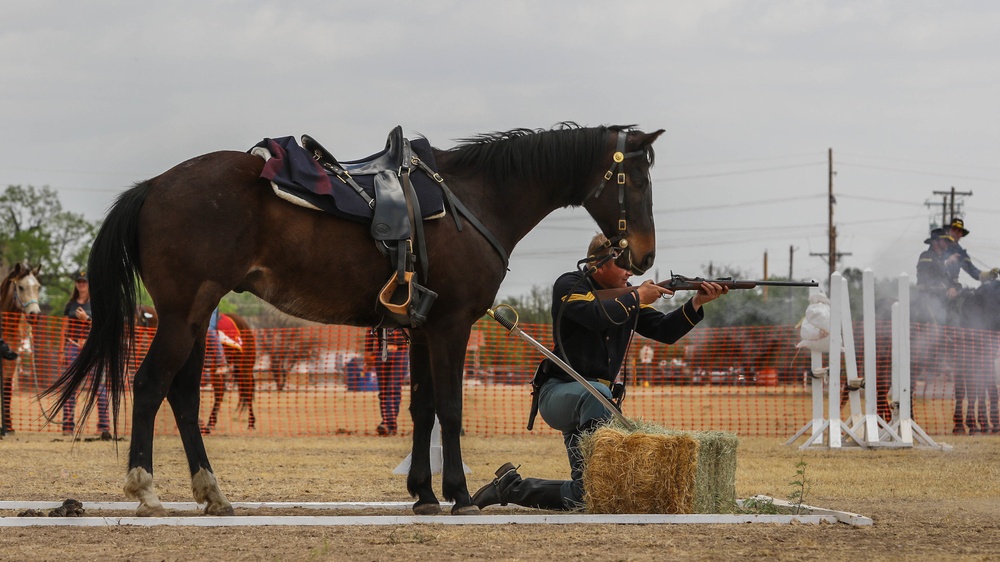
x=708, y=292
x=650, y=291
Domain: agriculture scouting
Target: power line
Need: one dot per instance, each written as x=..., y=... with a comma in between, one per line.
x=923, y=162
x=916, y=173
x=738, y=161
x=736, y=172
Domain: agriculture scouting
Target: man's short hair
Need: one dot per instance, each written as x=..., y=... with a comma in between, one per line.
x=599, y=246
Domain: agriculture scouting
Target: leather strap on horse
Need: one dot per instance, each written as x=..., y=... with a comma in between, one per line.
x=455, y=205
x=327, y=160
x=617, y=170
x=413, y=207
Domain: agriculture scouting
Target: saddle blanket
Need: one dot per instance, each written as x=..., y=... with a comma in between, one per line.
x=294, y=174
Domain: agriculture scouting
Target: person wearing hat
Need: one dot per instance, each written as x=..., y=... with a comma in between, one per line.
x=593, y=335
x=957, y=259
x=78, y=327
x=933, y=280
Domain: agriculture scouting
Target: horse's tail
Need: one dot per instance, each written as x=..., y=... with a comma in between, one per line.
x=113, y=273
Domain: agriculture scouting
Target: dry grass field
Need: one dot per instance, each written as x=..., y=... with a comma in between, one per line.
x=926, y=504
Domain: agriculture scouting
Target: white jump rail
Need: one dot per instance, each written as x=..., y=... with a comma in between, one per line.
x=808, y=515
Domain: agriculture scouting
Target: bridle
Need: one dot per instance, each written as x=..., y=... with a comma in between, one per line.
x=17, y=297
x=617, y=171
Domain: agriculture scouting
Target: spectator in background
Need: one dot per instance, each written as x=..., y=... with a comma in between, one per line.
x=77, y=329
x=215, y=358
x=386, y=354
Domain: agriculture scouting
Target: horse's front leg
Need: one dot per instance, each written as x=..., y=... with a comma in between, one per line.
x=418, y=480
x=447, y=364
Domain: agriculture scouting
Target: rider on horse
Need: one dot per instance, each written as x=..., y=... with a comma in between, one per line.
x=939, y=290
x=956, y=258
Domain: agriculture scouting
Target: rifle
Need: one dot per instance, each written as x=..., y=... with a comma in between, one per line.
x=682, y=283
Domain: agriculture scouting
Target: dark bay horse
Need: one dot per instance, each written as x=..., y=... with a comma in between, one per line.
x=240, y=357
x=211, y=225
x=962, y=340
x=19, y=293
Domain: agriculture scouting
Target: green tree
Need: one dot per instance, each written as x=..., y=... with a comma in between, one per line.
x=534, y=307
x=36, y=230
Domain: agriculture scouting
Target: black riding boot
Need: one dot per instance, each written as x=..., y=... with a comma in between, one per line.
x=509, y=487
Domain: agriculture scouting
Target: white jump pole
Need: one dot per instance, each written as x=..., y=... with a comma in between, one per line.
x=816, y=377
x=908, y=430
x=437, y=455
x=836, y=333
x=871, y=385
x=850, y=359
x=905, y=416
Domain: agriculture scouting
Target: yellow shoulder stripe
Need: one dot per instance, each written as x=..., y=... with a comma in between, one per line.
x=578, y=297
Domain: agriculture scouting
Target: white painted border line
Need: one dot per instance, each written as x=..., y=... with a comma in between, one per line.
x=326, y=521
x=192, y=506
x=810, y=514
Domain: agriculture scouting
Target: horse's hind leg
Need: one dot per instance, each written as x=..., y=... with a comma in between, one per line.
x=185, y=398
x=169, y=353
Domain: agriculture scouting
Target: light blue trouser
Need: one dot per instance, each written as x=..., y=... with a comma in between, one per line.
x=571, y=409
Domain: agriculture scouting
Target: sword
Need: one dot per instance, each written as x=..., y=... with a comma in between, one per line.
x=502, y=316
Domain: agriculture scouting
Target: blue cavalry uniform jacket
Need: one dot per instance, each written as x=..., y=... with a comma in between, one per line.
x=596, y=332
x=963, y=262
x=933, y=275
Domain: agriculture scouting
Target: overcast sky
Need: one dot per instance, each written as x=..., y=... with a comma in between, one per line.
x=95, y=96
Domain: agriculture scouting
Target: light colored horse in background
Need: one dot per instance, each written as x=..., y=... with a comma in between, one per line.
x=19, y=293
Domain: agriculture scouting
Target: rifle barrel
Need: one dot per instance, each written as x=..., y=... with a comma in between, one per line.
x=788, y=283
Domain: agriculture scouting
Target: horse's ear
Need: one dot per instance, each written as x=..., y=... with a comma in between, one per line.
x=18, y=268
x=647, y=139
x=36, y=270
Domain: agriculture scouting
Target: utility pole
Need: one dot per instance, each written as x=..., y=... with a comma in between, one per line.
x=948, y=209
x=765, y=275
x=833, y=229
x=832, y=256
x=791, y=256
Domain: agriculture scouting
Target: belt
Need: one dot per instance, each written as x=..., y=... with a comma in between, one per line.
x=606, y=383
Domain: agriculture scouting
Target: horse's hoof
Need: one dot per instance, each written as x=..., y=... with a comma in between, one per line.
x=147, y=511
x=221, y=511
x=427, y=509
x=206, y=430
x=471, y=509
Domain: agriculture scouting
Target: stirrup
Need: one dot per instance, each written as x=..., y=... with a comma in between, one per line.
x=395, y=296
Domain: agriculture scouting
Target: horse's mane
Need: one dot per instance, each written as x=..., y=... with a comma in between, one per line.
x=562, y=157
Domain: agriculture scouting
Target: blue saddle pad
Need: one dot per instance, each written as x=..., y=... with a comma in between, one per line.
x=293, y=170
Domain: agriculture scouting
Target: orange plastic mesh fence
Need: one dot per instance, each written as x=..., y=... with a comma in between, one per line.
x=750, y=380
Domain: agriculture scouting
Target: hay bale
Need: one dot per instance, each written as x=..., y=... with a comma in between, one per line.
x=639, y=472
x=714, y=486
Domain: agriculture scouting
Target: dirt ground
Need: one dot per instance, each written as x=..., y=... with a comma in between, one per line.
x=926, y=504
